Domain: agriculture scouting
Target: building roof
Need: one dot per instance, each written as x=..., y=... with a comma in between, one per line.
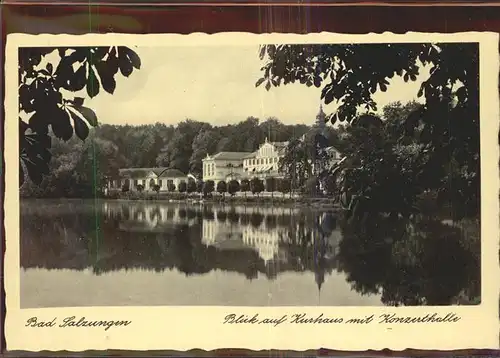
x=137, y=173
x=171, y=173
x=251, y=155
x=230, y=155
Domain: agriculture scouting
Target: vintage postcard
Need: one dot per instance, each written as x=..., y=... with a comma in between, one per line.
x=236, y=190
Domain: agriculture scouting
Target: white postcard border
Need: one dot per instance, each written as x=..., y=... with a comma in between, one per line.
x=183, y=328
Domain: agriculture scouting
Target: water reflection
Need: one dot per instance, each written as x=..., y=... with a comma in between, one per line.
x=423, y=262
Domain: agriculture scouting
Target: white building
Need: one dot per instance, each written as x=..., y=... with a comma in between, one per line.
x=263, y=240
x=224, y=166
x=148, y=178
x=264, y=162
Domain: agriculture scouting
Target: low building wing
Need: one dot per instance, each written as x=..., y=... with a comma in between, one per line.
x=139, y=173
x=171, y=173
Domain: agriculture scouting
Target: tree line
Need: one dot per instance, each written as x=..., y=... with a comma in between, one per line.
x=207, y=188
x=434, y=149
x=80, y=168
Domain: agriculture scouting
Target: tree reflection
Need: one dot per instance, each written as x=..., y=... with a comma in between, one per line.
x=419, y=262
x=256, y=219
x=221, y=216
x=233, y=217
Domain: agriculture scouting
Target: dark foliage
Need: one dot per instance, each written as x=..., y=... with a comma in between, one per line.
x=182, y=187
x=233, y=187
x=432, y=147
x=41, y=87
x=256, y=186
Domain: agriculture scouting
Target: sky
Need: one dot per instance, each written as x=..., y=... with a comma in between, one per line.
x=215, y=85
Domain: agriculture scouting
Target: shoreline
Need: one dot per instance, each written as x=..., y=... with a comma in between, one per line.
x=319, y=203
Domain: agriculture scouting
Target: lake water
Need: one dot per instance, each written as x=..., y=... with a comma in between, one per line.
x=116, y=253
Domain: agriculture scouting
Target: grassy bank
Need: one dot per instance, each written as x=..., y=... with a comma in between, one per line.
x=278, y=199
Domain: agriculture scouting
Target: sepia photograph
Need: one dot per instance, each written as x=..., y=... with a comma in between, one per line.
x=331, y=175
x=245, y=178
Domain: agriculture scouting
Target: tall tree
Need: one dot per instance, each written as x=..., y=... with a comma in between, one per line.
x=204, y=143
x=178, y=151
x=446, y=126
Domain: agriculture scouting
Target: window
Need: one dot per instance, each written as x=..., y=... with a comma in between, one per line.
x=135, y=182
x=159, y=183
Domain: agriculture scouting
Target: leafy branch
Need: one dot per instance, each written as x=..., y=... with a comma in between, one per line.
x=44, y=99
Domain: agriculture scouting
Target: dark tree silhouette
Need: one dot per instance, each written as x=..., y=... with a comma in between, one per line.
x=444, y=130
x=256, y=186
x=182, y=187
x=171, y=187
x=41, y=98
x=222, y=187
x=233, y=187
x=191, y=185
x=208, y=187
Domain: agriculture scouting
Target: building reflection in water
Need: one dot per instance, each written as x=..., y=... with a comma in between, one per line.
x=230, y=228
x=378, y=256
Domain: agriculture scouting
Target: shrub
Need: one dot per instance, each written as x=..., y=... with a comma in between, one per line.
x=245, y=185
x=208, y=187
x=285, y=186
x=171, y=187
x=311, y=186
x=191, y=186
x=271, y=185
x=222, y=187
x=256, y=186
x=182, y=187
x=233, y=187
x=199, y=186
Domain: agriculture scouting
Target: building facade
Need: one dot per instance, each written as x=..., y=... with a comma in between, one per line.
x=148, y=178
x=223, y=166
x=264, y=162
